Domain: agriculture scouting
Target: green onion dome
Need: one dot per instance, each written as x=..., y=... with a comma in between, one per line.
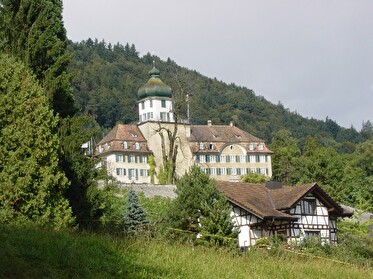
x=154, y=87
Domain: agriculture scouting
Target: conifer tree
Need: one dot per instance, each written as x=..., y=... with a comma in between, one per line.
x=199, y=207
x=134, y=217
x=33, y=32
x=31, y=185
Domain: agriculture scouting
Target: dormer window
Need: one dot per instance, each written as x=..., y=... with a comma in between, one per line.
x=201, y=145
x=238, y=136
x=212, y=146
x=100, y=149
x=251, y=146
x=260, y=146
x=125, y=145
x=133, y=135
x=137, y=146
x=107, y=146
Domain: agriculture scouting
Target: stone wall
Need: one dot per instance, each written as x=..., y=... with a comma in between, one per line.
x=150, y=190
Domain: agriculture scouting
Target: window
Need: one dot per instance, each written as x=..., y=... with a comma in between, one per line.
x=119, y=158
x=309, y=206
x=151, y=103
x=229, y=171
x=238, y=159
x=201, y=145
x=132, y=174
x=252, y=158
x=213, y=171
x=202, y=159
x=137, y=146
x=231, y=147
x=163, y=103
x=218, y=171
x=212, y=146
x=144, y=117
x=238, y=171
x=133, y=135
x=125, y=145
x=121, y=171
x=262, y=158
x=251, y=146
x=143, y=172
x=217, y=160
x=196, y=158
x=223, y=171
x=142, y=105
x=148, y=115
x=143, y=159
x=131, y=158
x=163, y=116
x=260, y=146
x=257, y=158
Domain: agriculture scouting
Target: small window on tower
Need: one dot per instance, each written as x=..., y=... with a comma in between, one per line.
x=163, y=103
x=143, y=105
x=151, y=103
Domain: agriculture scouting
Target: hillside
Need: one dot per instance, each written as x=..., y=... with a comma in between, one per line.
x=107, y=77
x=27, y=252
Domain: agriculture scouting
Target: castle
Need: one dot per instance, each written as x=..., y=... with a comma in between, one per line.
x=131, y=152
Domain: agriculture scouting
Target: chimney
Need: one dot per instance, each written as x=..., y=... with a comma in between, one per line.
x=231, y=124
x=209, y=123
x=273, y=184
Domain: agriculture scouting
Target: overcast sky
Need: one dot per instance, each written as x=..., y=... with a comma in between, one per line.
x=314, y=56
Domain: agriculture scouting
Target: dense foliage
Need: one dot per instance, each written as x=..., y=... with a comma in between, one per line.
x=108, y=77
x=33, y=32
x=32, y=186
x=200, y=207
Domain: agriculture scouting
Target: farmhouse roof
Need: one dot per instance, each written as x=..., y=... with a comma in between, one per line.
x=267, y=203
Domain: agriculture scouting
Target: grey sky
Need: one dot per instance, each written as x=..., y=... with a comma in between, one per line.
x=314, y=56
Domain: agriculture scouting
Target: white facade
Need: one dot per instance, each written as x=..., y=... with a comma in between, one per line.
x=156, y=109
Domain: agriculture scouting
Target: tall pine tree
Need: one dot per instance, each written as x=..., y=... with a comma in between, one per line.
x=31, y=185
x=33, y=32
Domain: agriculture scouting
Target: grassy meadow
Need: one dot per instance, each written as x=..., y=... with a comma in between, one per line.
x=28, y=252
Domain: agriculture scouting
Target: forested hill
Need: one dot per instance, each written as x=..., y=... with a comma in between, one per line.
x=107, y=77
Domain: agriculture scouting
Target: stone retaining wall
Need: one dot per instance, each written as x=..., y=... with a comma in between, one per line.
x=150, y=190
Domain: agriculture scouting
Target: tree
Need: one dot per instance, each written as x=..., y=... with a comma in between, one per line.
x=253, y=177
x=33, y=32
x=200, y=207
x=285, y=158
x=31, y=185
x=134, y=217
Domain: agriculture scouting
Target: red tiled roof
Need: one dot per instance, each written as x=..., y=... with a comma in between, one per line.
x=124, y=133
x=220, y=133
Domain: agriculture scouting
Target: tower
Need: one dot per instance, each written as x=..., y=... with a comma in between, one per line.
x=155, y=99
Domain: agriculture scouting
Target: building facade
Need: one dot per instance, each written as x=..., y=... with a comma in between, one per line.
x=225, y=152
x=295, y=213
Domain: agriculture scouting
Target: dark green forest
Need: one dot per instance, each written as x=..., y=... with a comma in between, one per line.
x=107, y=77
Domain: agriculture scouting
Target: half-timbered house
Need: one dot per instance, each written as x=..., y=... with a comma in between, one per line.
x=293, y=212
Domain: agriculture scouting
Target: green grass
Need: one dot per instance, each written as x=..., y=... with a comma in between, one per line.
x=34, y=253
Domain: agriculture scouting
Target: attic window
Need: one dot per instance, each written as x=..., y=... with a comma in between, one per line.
x=137, y=145
x=261, y=146
x=107, y=146
x=215, y=136
x=212, y=146
x=201, y=145
x=133, y=135
x=231, y=147
x=251, y=146
x=238, y=136
x=309, y=206
x=125, y=145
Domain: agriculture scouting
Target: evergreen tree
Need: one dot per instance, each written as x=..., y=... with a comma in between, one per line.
x=31, y=186
x=199, y=207
x=33, y=32
x=134, y=217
